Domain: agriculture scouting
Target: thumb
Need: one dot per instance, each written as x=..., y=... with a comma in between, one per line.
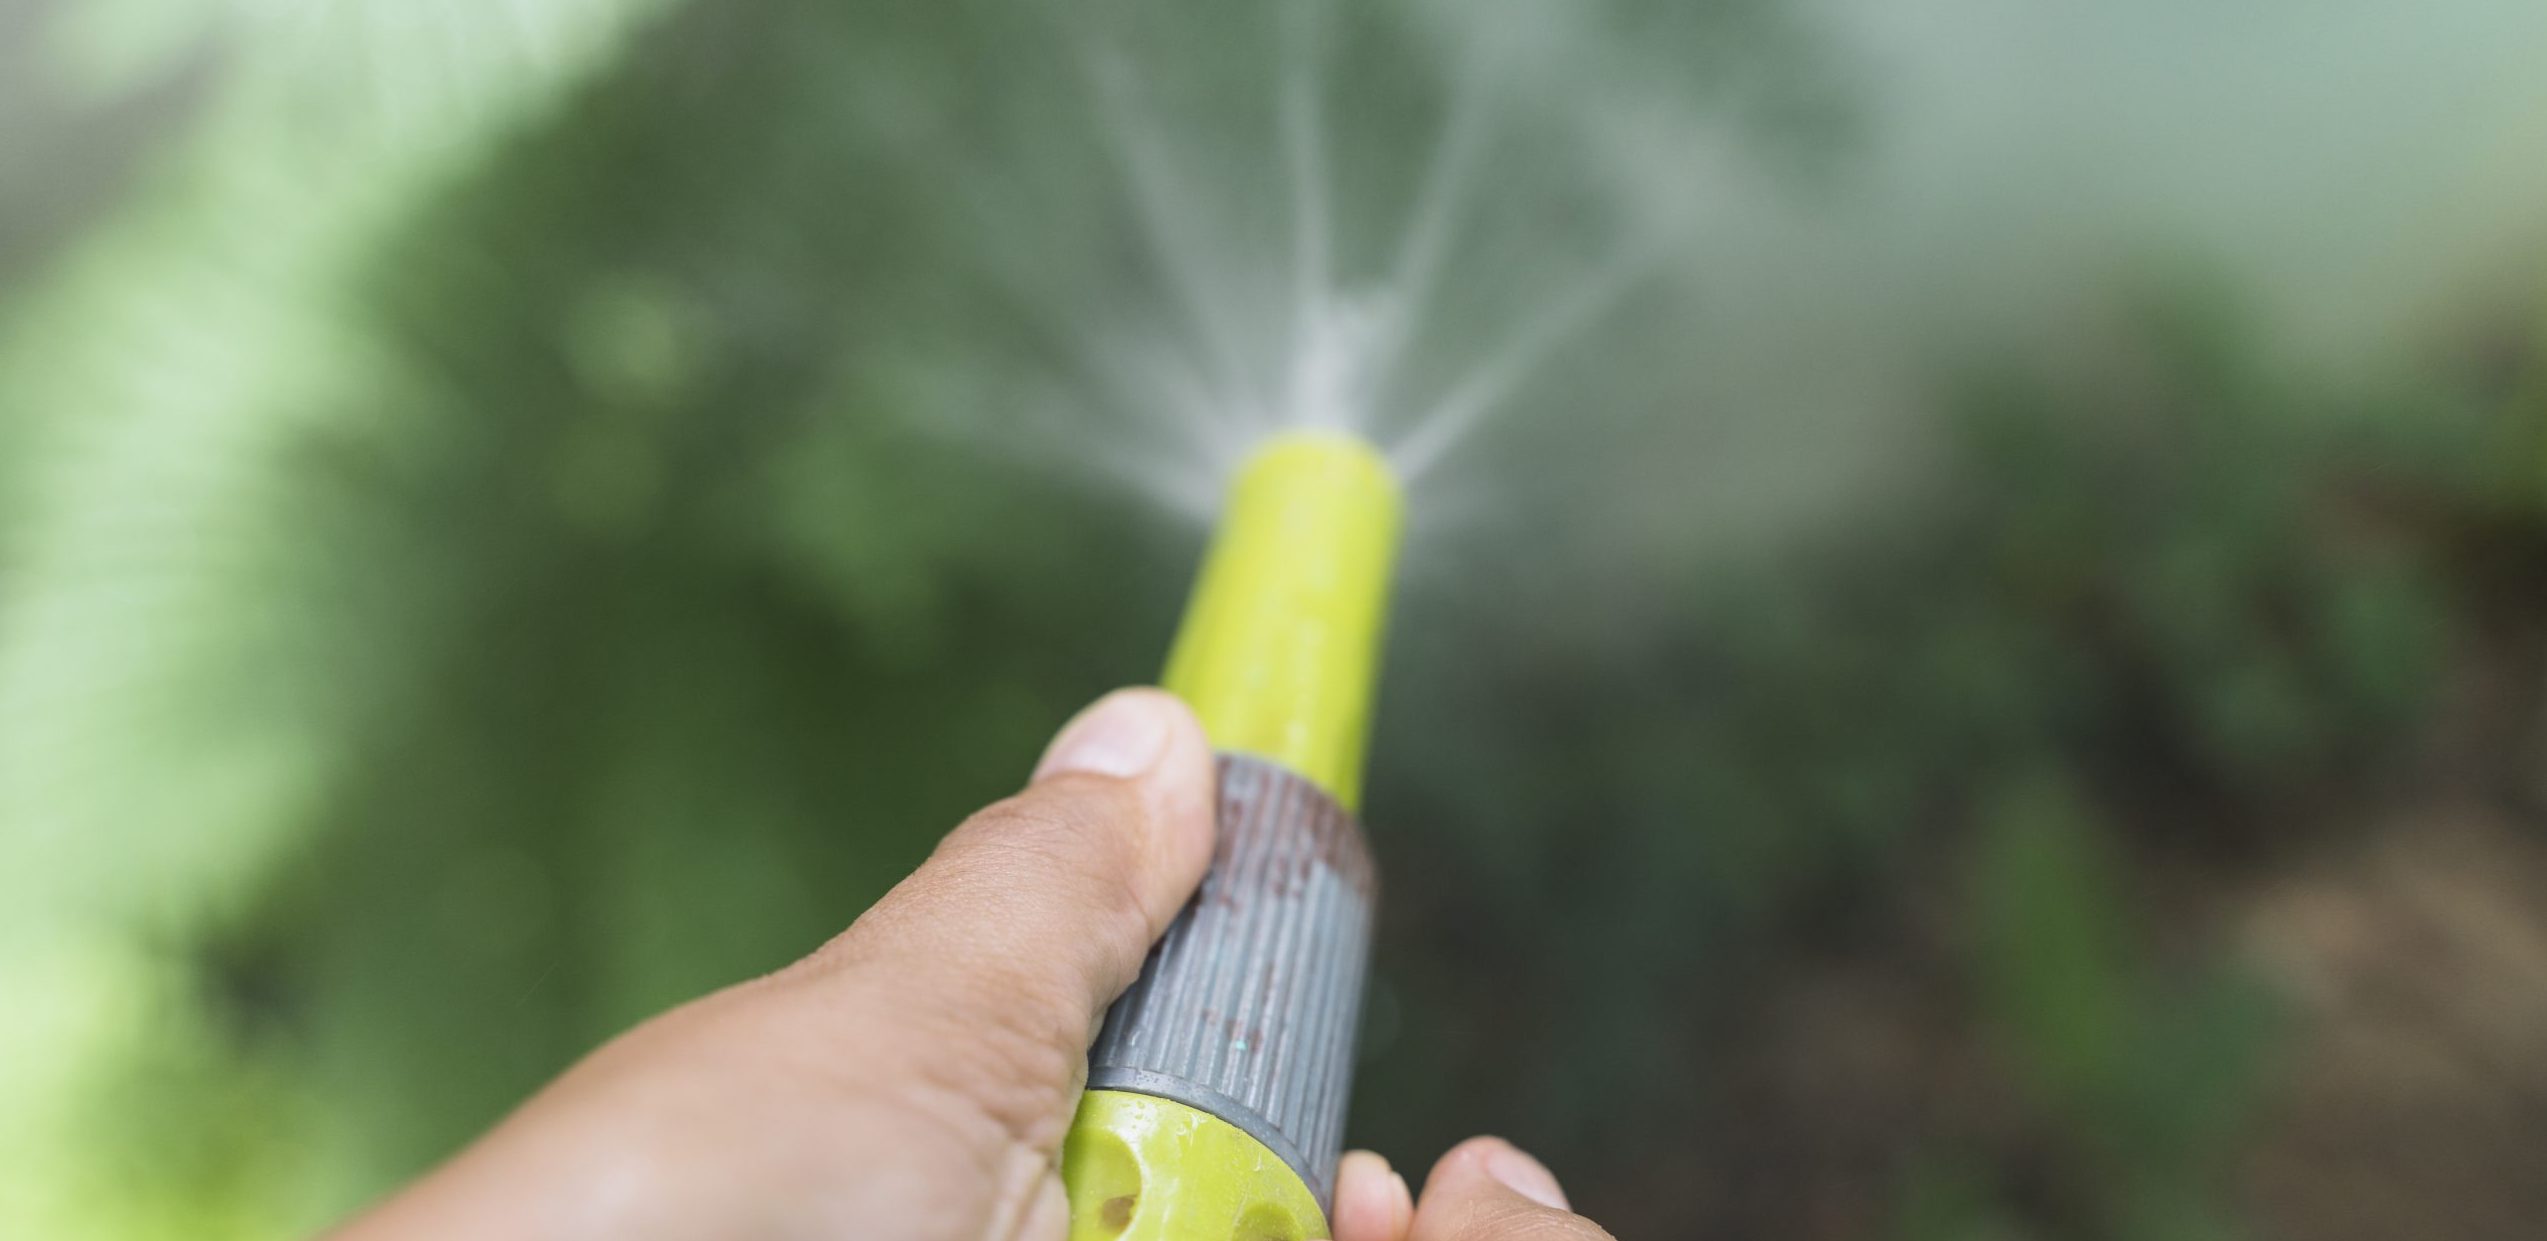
x=961, y=1006
x=1035, y=913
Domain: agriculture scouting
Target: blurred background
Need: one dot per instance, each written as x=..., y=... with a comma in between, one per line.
x=1972, y=662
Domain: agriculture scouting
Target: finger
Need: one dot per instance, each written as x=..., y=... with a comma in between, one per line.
x=1372, y=1202
x=1031, y=917
x=1069, y=881
x=1486, y=1189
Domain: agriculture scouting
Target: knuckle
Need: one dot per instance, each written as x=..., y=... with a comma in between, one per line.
x=974, y=1069
x=993, y=963
x=1090, y=856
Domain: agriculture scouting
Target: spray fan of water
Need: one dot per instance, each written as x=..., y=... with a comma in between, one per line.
x=1300, y=335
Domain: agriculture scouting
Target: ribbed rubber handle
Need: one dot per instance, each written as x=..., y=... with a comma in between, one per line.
x=1248, y=1008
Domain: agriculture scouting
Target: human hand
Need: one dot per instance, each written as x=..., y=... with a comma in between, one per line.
x=914, y=1077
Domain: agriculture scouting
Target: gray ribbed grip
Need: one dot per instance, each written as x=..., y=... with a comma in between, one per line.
x=1247, y=1008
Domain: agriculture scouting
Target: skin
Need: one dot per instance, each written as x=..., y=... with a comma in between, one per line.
x=913, y=1078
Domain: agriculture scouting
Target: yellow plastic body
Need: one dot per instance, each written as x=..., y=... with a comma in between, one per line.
x=1140, y=1168
x=1279, y=650
x=1278, y=655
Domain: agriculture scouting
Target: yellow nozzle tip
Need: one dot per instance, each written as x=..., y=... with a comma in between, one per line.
x=1279, y=650
x=1340, y=450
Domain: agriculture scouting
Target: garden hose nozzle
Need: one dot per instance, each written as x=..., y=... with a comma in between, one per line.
x=1216, y=1090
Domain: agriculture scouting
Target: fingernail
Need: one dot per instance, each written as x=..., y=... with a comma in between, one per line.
x=1525, y=1176
x=1122, y=734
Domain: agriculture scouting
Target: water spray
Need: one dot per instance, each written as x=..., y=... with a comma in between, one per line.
x=1217, y=1087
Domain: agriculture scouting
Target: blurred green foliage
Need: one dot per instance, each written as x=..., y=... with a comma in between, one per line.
x=501, y=540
